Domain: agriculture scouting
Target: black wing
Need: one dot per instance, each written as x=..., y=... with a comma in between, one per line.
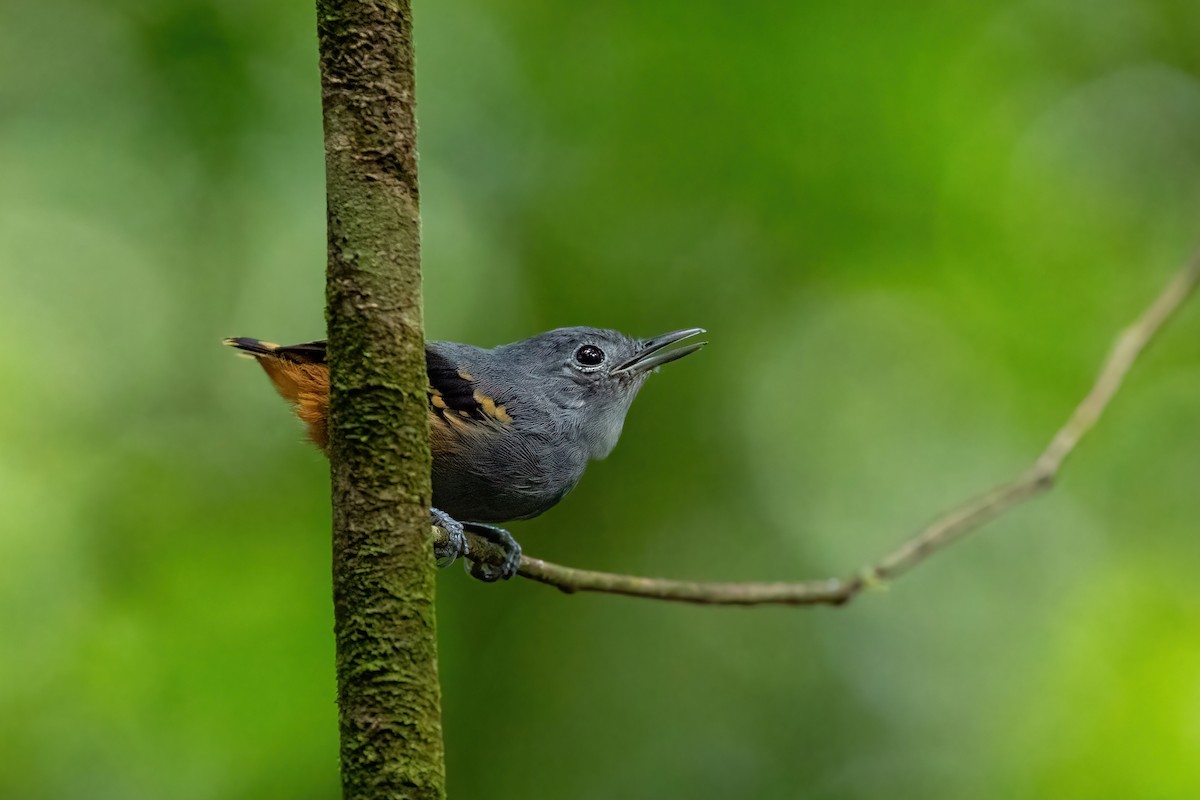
x=454, y=393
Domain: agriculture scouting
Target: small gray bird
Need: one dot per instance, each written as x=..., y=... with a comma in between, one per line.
x=511, y=429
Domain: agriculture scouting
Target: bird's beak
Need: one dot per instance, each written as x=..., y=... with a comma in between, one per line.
x=654, y=352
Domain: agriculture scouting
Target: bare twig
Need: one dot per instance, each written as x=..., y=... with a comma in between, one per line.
x=947, y=528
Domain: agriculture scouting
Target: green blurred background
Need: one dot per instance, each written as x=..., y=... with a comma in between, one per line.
x=912, y=231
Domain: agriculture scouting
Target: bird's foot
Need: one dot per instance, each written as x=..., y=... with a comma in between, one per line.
x=456, y=538
x=489, y=572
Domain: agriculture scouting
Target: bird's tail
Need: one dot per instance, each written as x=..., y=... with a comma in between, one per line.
x=307, y=353
x=255, y=347
x=299, y=374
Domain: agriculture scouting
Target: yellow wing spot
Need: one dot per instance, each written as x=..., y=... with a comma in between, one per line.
x=464, y=414
x=466, y=376
x=438, y=401
x=490, y=408
x=269, y=345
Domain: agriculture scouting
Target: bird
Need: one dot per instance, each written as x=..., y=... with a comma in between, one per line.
x=512, y=428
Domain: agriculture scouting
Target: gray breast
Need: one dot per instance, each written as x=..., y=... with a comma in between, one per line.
x=505, y=476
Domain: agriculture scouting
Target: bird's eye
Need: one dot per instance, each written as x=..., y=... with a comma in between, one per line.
x=589, y=356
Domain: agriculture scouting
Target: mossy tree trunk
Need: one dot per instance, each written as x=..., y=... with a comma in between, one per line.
x=383, y=571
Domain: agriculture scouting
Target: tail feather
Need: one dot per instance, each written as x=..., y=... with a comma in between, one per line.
x=307, y=353
x=255, y=347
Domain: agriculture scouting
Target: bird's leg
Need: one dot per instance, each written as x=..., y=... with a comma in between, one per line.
x=456, y=538
x=502, y=539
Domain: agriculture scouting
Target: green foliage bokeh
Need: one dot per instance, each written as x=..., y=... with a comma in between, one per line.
x=911, y=230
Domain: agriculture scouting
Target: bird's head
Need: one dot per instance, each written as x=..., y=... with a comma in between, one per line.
x=593, y=374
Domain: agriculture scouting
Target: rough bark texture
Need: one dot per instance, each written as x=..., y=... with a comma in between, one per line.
x=383, y=570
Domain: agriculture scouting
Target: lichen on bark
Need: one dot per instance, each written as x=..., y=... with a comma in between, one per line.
x=383, y=573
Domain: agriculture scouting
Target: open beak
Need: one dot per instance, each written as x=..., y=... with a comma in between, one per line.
x=654, y=352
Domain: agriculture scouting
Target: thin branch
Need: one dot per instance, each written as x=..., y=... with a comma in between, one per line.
x=952, y=525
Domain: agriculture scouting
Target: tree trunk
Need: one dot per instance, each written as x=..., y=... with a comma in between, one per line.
x=383, y=571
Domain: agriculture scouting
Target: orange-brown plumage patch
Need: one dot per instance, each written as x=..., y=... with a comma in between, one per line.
x=306, y=387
